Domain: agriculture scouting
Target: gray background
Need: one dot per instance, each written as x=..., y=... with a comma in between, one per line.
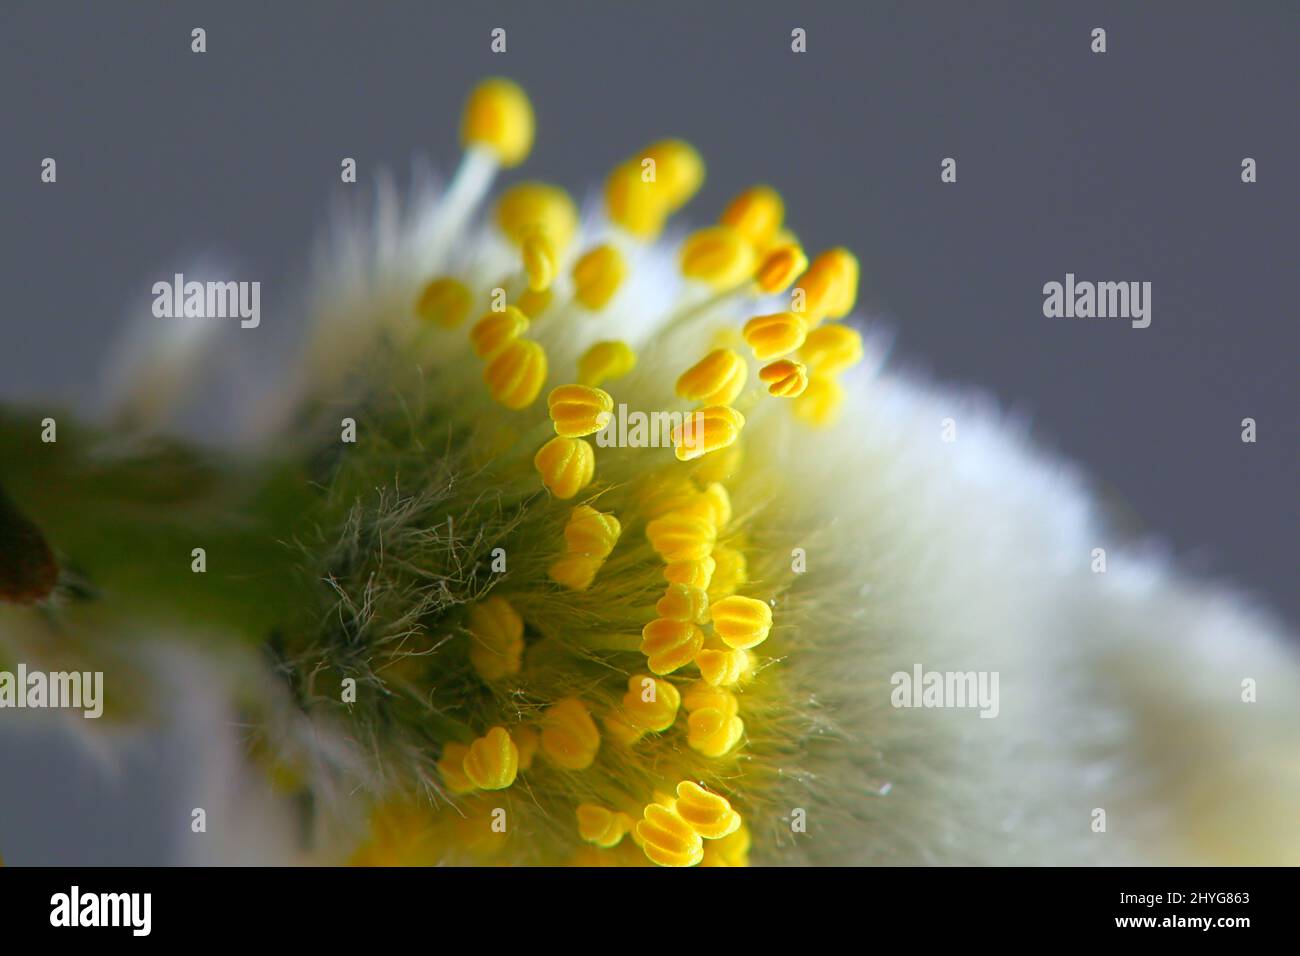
x=1123, y=166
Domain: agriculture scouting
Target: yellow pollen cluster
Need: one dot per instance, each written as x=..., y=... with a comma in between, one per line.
x=496, y=330
x=649, y=706
x=683, y=603
x=670, y=645
x=722, y=668
x=515, y=373
x=700, y=637
x=785, y=378
x=499, y=118
x=707, y=429
x=741, y=622
x=692, y=574
x=747, y=243
x=829, y=289
x=730, y=572
x=641, y=193
x=569, y=735
x=718, y=256
x=756, y=214
x=444, y=301
x=451, y=768
x=771, y=336
x=597, y=276
x=492, y=761
x=497, y=634
x=672, y=831
x=579, y=410
x=589, y=537
x=716, y=379
x=605, y=361
x=780, y=267
x=541, y=220
x=829, y=351
x=600, y=826
x=566, y=465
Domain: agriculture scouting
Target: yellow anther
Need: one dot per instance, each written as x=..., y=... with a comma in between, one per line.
x=741, y=622
x=771, y=336
x=707, y=429
x=819, y=405
x=600, y=826
x=444, y=302
x=681, y=537
x=589, y=537
x=780, y=267
x=598, y=275
x=540, y=261
x=730, y=572
x=666, y=493
x=667, y=839
x=515, y=374
x=830, y=349
x=605, y=360
x=704, y=696
x=529, y=209
x=785, y=378
x=497, y=638
x=534, y=303
x=493, y=760
x=756, y=214
x=619, y=730
x=566, y=465
x=829, y=287
x=526, y=742
x=709, y=814
x=451, y=768
x=679, y=170
x=569, y=735
x=692, y=574
x=715, y=506
x=722, y=668
x=591, y=532
x=574, y=571
x=641, y=193
x=650, y=705
x=669, y=645
x=578, y=410
x=635, y=203
x=718, y=256
x=715, y=379
x=731, y=850
x=783, y=237
x=499, y=117
x=722, y=465
x=496, y=330
x=712, y=732
x=682, y=603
